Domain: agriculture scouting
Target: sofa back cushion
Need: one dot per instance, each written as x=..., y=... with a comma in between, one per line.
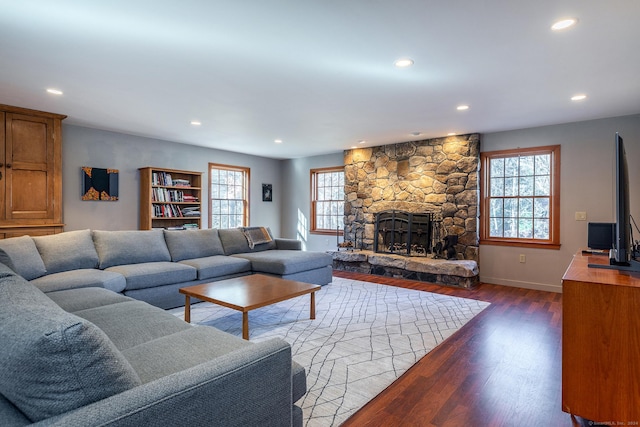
x=52, y=361
x=71, y=250
x=21, y=255
x=130, y=247
x=235, y=241
x=191, y=244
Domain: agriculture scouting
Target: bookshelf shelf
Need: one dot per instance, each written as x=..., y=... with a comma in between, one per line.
x=170, y=198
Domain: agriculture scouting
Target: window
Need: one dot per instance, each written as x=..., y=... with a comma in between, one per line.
x=228, y=196
x=520, y=192
x=327, y=200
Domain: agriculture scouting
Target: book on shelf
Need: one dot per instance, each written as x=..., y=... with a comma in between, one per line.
x=177, y=182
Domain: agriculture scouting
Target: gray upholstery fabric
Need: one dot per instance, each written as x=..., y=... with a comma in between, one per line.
x=158, y=358
x=131, y=323
x=319, y=276
x=235, y=242
x=55, y=364
x=22, y=256
x=70, y=250
x=217, y=266
x=228, y=391
x=88, y=277
x=298, y=381
x=286, y=262
x=189, y=244
x=10, y=415
x=152, y=274
x=73, y=300
x=130, y=247
x=288, y=244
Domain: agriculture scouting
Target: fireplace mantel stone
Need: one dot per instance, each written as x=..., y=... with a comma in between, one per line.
x=460, y=273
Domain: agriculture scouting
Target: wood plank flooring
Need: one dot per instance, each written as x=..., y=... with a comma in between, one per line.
x=503, y=368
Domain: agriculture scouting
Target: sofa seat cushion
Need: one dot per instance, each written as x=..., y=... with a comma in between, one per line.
x=53, y=361
x=22, y=256
x=130, y=247
x=83, y=278
x=217, y=266
x=164, y=356
x=161, y=357
x=131, y=323
x=73, y=300
x=71, y=250
x=189, y=244
x=286, y=262
x=152, y=274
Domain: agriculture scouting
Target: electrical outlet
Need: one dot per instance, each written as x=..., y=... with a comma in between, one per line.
x=523, y=258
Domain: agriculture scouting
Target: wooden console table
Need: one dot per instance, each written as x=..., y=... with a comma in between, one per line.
x=601, y=342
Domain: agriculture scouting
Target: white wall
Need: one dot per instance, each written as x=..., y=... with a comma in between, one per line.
x=296, y=206
x=587, y=185
x=96, y=148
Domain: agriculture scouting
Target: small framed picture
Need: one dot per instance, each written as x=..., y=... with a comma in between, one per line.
x=267, y=192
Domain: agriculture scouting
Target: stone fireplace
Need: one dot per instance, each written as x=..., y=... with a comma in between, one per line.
x=436, y=178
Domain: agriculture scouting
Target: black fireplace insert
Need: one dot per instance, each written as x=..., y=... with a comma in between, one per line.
x=403, y=233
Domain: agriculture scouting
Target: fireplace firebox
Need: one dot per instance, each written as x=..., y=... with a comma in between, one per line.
x=403, y=233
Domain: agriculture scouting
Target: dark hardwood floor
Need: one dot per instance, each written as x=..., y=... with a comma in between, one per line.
x=503, y=368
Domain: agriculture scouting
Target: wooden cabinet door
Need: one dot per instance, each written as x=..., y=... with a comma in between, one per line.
x=29, y=167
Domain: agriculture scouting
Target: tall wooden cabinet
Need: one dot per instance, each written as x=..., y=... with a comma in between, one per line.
x=30, y=172
x=601, y=342
x=170, y=198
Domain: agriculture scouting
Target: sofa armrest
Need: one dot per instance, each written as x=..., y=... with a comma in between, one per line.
x=288, y=244
x=230, y=390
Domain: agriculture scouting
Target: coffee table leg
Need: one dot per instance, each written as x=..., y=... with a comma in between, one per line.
x=245, y=325
x=187, y=309
x=313, y=306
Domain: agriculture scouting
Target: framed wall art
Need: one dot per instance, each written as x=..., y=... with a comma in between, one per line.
x=267, y=192
x=99, y=184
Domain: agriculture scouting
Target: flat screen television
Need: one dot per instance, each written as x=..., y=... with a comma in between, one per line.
x=622, y=256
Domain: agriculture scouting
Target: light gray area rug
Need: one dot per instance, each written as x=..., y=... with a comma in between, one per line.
x=364, y=337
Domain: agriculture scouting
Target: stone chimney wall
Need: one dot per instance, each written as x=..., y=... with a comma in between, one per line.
x=437, y=176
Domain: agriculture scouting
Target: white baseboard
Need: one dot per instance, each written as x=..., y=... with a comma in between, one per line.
x=521, y=284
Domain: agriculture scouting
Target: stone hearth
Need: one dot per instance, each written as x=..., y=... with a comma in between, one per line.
x=460, y=273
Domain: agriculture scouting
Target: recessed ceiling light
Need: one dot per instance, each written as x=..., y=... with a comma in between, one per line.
x=196, y=123
x=564, y=23
x=353, y=147
x=277, y=141
x=362, y=141
x=451, y=134
x=54, y=91
x=403, y=63
x=415, y=133
x=578, y=97
x=462, y=107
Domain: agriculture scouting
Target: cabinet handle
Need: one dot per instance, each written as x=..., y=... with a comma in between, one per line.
x=1, y=165
x=8, y=165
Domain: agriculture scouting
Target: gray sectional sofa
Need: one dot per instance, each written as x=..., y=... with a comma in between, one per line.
x=152, y=265
x=81, y=345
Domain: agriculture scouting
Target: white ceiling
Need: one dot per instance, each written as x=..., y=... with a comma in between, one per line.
x=318, y=74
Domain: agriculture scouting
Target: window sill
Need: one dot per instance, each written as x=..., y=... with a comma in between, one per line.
x=521, y=244
x=327, y=232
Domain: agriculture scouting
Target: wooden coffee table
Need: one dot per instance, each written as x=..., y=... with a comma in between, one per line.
x=248, y=293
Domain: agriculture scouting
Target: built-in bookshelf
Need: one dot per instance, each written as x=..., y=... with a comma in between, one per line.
x=170, y=198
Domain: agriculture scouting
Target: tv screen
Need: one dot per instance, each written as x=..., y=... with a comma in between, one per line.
x=622, y=244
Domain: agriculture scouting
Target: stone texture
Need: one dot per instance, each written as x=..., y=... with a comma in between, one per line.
x=460, y=273
x=438, y=176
